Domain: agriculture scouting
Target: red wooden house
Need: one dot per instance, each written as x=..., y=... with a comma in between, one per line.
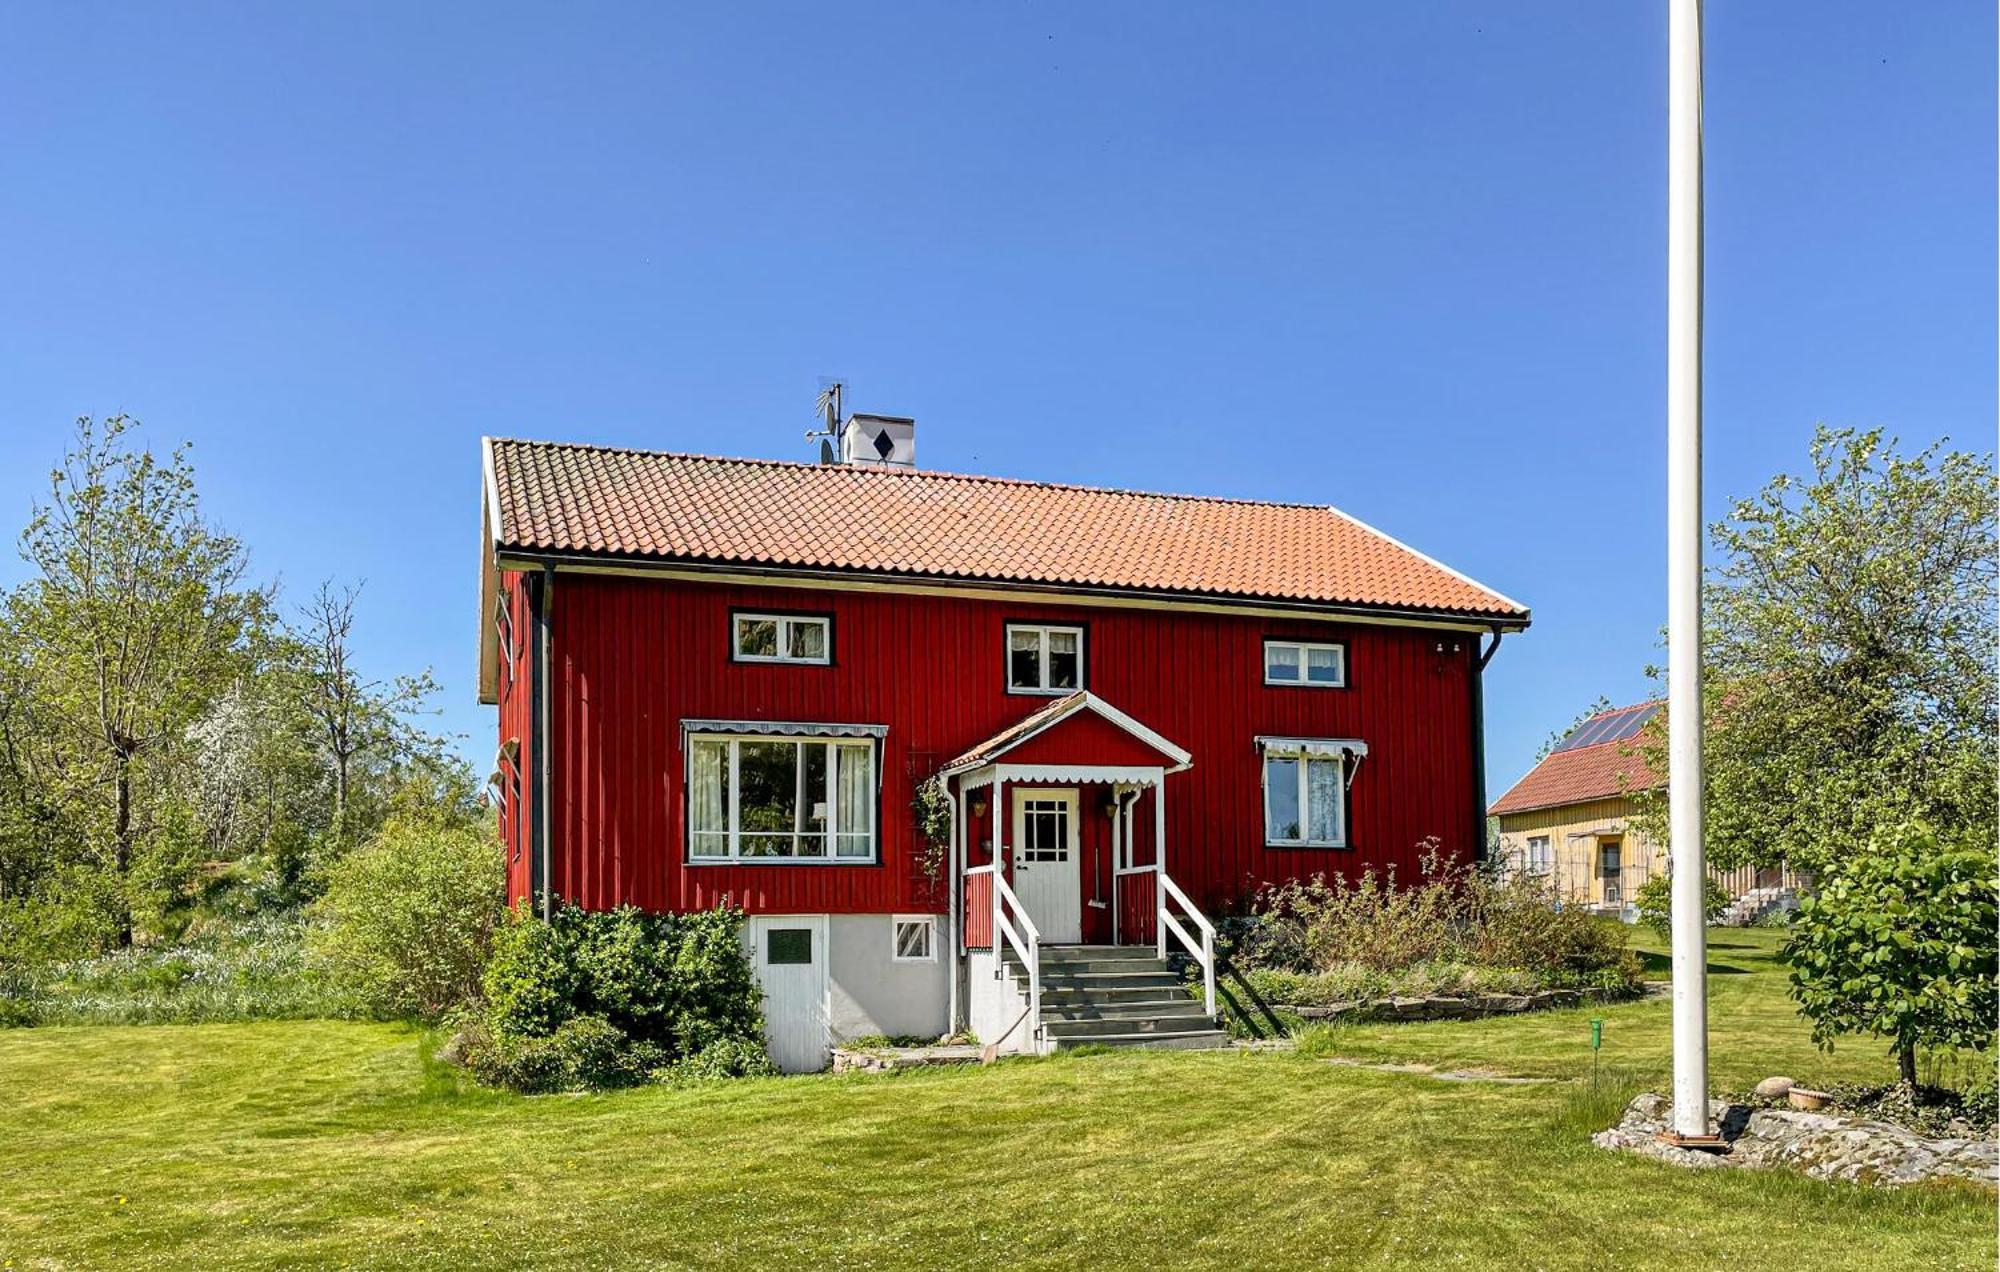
x=726, y=679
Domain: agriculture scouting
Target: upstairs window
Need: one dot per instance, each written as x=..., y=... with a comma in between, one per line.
x=1311, y=664
x=784, y=638
x=779, y=799
x=1305, y=794
x=1043, y=659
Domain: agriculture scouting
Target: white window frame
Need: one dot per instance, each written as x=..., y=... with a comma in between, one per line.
x=1306, y=752
x=929, y=922
x=784, y=624
x=1043, y=630
x=734, y=811
x=1304, y=650
x=1547, y=863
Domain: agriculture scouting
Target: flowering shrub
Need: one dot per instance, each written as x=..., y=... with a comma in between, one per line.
x=1451, y=917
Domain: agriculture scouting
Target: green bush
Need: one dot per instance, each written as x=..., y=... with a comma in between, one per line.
x=408, y=918
x=1655, y=902
x=673, y=993
x=583, y=1053
x=1900, y=943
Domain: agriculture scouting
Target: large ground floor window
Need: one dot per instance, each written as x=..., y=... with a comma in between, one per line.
x=1305, y=794
x=781, y=799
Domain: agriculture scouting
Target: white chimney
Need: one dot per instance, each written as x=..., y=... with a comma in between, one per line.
x=879, y=441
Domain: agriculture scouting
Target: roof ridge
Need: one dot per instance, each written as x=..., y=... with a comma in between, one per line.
x=906, y=473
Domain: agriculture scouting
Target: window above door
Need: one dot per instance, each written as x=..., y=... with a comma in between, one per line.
x=1044, y=658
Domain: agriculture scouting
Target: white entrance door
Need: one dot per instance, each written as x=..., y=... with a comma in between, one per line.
x=1046, y=872
x=791, y=969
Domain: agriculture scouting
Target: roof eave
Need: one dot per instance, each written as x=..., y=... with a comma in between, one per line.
x=520, y=556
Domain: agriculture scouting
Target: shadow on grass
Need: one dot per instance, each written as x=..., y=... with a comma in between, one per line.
x=1651, y=963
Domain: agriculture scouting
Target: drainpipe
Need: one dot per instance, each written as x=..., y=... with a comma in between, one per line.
x=1478, y=696
x=955, y=1013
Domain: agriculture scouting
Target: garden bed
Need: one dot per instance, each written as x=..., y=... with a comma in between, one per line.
x=1457, y=1007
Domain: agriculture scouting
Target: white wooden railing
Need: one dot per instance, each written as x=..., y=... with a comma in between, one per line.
x=1203, y=949
x=1027, y=942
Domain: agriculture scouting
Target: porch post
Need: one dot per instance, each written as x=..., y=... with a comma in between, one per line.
x=1160, y=863
x=999, y=962
x=1117, y=880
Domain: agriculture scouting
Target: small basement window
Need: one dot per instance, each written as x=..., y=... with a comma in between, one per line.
x=915, y=938
x=1044, y=659
x=1306, y=663
x=783, y=638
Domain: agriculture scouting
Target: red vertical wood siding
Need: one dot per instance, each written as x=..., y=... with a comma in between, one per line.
x=515, y=695
x=632, y=658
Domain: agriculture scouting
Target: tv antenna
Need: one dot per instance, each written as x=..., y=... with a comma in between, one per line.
x=828, y=407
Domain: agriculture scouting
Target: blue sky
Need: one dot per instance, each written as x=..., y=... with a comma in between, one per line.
x=1405, y=259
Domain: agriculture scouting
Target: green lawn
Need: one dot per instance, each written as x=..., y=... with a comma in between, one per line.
x=267, y=1145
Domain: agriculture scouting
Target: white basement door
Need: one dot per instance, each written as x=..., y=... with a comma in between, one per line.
x=791, y=968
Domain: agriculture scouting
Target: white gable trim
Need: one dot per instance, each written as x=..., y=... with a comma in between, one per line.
x=1087, y=701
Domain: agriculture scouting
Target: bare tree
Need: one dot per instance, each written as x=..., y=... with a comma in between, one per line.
x=352, y=716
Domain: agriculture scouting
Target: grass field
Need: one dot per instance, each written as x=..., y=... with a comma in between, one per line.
x=337, y=1144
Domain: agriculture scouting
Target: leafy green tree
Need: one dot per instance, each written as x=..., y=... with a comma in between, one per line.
x=1900, y=943
x=135, y=621
x=1849, y=659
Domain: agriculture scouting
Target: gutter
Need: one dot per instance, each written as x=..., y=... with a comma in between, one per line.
x=541, y=861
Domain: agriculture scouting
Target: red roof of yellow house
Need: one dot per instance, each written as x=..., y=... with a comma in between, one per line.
x=558, y=499
x=1598, y=759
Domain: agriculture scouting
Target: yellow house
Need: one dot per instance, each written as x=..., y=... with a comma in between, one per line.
x=1570, y=819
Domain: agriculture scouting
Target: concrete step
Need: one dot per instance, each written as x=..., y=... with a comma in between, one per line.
x=1122, y=1009
x=1161, y=1026
x=1203, y=1040
x=1067, y=994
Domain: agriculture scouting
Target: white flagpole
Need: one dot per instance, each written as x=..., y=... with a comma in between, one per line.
x=1684, y=530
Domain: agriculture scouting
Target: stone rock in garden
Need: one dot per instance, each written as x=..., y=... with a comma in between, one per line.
x=1821, y=1145
x=1774, y=1088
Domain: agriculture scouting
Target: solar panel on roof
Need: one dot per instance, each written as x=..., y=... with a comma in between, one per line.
x=1612, y=726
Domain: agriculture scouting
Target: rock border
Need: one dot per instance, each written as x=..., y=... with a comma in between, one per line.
x=1461, y=1006
x=1820, y=1145
x=889, y=1059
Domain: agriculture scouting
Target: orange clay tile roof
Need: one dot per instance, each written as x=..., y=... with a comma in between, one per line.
x=1581, y=768
x=653, y=505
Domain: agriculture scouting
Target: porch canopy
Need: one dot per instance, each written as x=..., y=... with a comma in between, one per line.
x=1076, y=740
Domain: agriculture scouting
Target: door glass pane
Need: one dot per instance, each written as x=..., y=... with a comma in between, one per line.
x=768, y=800
x=756, y=638
x=1323, y=665
x=807, y=637
x=1024, y=658
x=1281, y=662
x=1281, y=799
x=788, y=945
x=1063, y=661
x=1323, y=800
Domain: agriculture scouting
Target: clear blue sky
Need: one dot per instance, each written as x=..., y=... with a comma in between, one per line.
x=1405, y=259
